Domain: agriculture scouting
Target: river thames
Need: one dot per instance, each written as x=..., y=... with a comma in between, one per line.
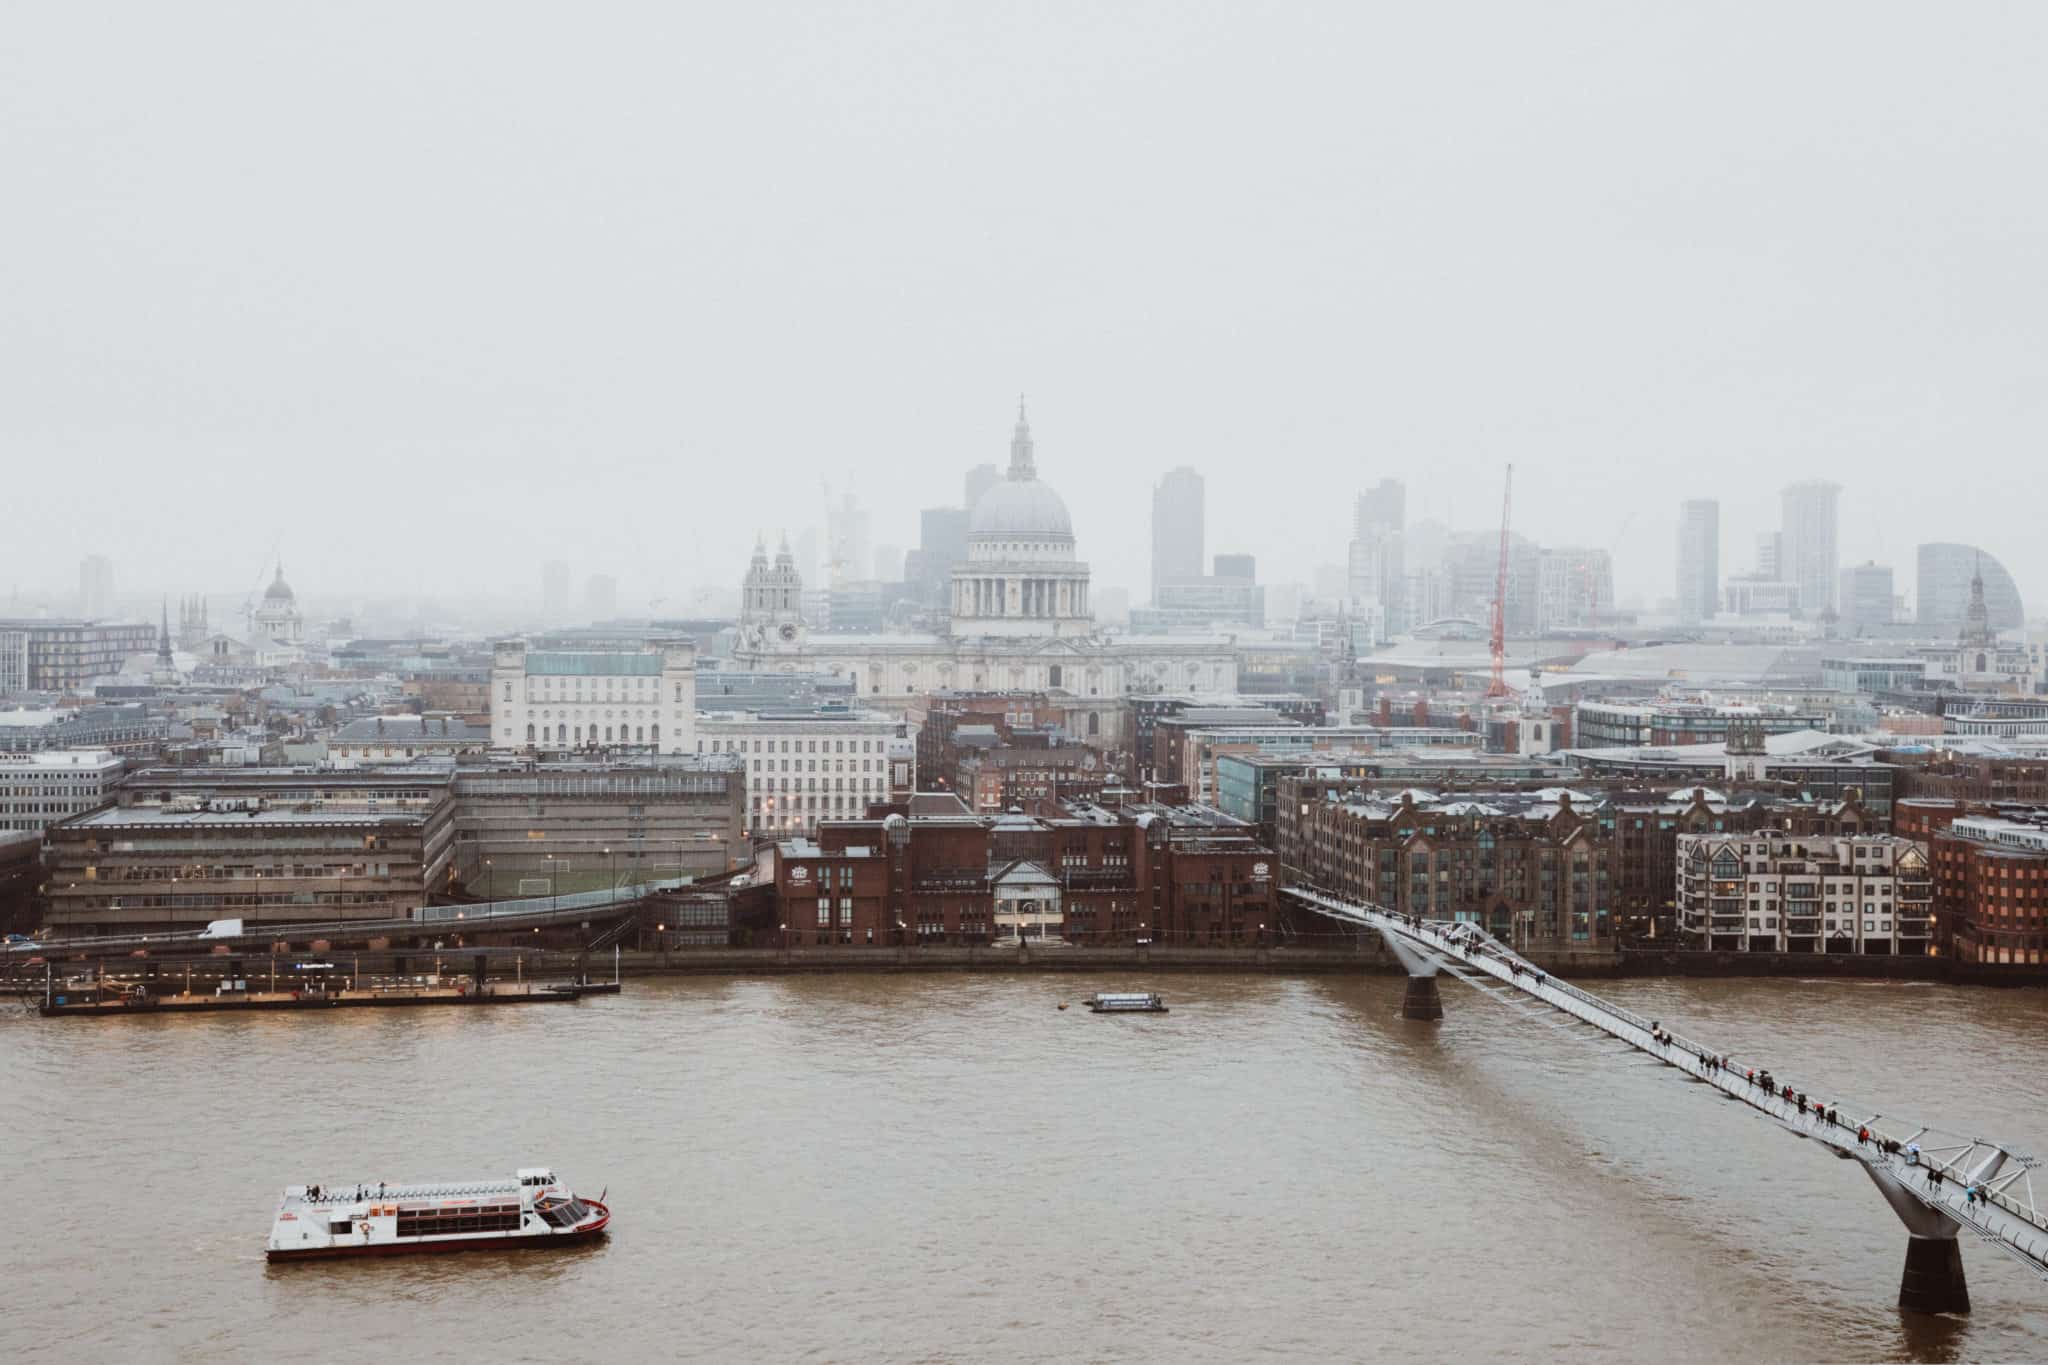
x=948, y=1167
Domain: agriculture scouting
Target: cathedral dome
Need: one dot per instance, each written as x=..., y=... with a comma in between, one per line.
x=1023, y=508
x=1020, y=507
x=279, y=591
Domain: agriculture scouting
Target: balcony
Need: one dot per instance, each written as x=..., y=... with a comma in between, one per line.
x=1916, y=928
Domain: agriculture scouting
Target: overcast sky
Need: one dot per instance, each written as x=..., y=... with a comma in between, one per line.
x=426, y=294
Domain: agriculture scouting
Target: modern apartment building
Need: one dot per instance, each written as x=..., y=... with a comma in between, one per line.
x=1769, y=891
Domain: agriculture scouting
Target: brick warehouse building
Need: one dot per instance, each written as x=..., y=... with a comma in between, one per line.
x=1991, y=890
x=1170, y=874
x=1540, y=878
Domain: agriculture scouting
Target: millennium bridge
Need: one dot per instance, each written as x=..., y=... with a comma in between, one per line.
x=1940, y=1182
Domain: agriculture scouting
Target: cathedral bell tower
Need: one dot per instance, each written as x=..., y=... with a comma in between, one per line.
x=771, y=603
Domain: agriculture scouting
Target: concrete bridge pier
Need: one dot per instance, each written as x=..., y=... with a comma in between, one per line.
x=1933, y=1281
x=1422, y=1000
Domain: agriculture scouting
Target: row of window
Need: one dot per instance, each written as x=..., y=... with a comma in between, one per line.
x=784, y=746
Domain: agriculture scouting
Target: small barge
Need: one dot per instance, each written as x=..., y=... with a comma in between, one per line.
x=1128, y=1002
x=532, y=1210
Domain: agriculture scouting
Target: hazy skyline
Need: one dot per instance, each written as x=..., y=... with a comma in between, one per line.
x=423, y=298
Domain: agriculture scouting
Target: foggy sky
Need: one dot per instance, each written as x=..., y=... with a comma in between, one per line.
x=425, y=295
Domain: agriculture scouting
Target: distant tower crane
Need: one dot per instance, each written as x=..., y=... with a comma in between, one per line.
x=1499, y=687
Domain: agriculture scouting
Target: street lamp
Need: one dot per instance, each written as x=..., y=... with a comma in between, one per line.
x=489, y=886
x=554, y=891
x=614, y=873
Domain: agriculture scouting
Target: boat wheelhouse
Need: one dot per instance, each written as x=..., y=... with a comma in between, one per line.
x=533, y=1209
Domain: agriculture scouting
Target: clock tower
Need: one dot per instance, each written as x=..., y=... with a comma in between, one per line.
x=771, y=604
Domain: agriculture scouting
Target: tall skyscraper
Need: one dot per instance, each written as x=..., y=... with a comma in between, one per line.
x=1810, y=558
x=96, y=587
x=1384, y=506
x=1867, y=595
x=980, y=479
x=1379, y=517
x=554, y=592
x=1770, y=556
x=1699, y=560
x=1941, y=595
x=1177, y=513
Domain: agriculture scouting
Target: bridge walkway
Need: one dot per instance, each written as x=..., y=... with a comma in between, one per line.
x=2005, y=1214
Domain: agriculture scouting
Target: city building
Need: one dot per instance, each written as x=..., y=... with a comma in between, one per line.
x=941, y=546
x=1753, y=597
x=1215, y=601
x=1866, y=595
x=276, y=617
x=1177, y=528
x=1021, y=618
x=552, y=701
x=1978, y=661
x=1825, y=767
x=565, y=825
x=96, y=587
x=943, y=715
x=1383, y=507
x=1768, y=891
x=554, y=592
x=803, y=767
x=1536, y=873
x=186, y=846
x=381, y=741
x=127, y=728
x=1161, y=874
x=1811, y=557
x=1991, y=889
x=1603, y=724
x=41, y=788
x=1574, y=588
x=1851, y=674
x=66, y=655
x=1941, y=590
x=1699, y=560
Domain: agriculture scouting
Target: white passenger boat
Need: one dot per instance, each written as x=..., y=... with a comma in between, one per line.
x=533, y=1209
x=1128, y=1002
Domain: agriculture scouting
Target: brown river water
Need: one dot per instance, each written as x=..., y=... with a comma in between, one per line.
x=947, y=1168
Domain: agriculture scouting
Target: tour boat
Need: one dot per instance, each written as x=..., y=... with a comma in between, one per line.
x=533, y=1209
x=1128, y=1002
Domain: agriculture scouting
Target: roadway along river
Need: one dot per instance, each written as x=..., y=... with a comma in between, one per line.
x=948, y=1168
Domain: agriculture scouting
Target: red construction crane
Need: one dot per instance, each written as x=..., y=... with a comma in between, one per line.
x=1500, y=597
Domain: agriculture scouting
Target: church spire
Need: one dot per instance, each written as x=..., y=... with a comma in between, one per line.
x=163, y=638
x=1977, y=620
x=1022, y=465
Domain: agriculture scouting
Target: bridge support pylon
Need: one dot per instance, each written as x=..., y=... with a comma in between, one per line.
x=1933, y=1281
x=1423, y=1000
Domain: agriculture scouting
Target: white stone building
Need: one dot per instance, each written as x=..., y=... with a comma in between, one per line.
x=1022, y=618
x=1768, y=891
x=805, y=767
x=560, y=700
x=39, y=789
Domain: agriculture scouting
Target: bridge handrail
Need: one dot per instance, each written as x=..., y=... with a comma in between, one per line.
x=1475, y=946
